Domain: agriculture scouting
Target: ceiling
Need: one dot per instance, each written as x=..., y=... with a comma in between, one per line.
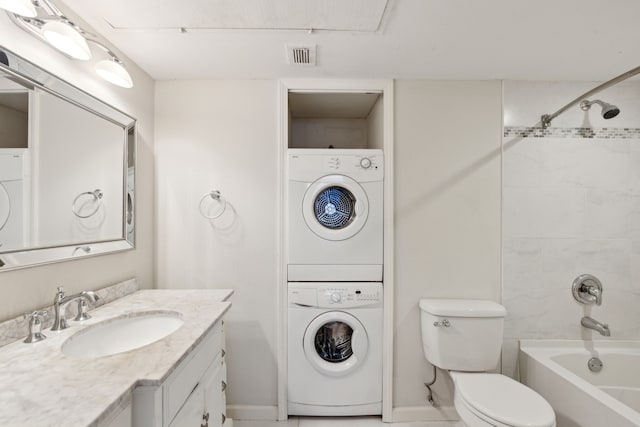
x=437, y=39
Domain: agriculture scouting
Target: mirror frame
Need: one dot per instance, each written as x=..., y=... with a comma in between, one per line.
x=31, y=76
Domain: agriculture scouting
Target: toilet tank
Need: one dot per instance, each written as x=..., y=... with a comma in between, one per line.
x=462, y=334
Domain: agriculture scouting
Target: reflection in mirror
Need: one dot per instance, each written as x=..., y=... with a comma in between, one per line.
x=67, y=170
x=131, y=177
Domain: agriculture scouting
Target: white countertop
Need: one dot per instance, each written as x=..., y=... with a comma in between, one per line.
x=40, y=386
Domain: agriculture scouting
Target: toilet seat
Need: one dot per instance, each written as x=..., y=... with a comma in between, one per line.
x=501, y=401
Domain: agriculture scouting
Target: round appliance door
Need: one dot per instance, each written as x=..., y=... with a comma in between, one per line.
x=5, y=206
x=335, y=207
x=335, y=343
x=130, y=212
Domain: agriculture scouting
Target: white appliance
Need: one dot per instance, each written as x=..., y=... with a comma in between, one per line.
x=130, y=203
x=335, y=349
x=13, y=227
x=335, y=215
x=465, y=338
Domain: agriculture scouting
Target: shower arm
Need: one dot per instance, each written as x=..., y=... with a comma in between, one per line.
x=546, y=118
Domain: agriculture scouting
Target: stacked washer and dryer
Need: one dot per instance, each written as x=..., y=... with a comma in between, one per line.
x=14, y=198
x=334, y=262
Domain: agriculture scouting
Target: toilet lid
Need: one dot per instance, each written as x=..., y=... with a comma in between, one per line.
x=502, y=399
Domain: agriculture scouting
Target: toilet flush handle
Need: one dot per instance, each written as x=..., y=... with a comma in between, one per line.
x=445, y=323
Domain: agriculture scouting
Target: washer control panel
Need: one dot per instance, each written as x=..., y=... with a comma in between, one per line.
x=337, y=296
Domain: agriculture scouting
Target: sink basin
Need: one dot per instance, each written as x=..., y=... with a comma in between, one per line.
x=122, y=334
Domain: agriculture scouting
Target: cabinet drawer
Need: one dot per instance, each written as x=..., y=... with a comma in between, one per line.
x=185, y=378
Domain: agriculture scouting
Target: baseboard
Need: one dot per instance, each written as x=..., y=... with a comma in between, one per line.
x=424, y=413
x=400, y=414
x=252, y=412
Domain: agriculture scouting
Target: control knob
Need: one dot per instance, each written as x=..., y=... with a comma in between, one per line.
x=365, y=163
x=336, y=297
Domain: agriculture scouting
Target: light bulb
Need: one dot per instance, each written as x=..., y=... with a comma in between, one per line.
x=19, y=7
x=66, y=39
x=114, y=72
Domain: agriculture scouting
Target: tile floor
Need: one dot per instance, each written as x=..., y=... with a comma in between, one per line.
x=341, y=422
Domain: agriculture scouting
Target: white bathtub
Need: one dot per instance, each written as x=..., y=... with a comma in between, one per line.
x=558, y=371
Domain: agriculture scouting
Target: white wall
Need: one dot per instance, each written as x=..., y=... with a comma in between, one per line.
x=447, y=199
x=27, y=289
x=325, y=132
x=223, y=135
x=571, y=206
x=375, y=125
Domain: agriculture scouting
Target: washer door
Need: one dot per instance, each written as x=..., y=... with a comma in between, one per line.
x=335, y=343
x=5, y=206
x=335, y=207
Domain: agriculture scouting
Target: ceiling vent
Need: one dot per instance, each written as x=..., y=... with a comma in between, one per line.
x=302, y=55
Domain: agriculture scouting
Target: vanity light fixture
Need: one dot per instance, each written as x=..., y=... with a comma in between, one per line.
x=112, y=69
x=43, y=19
x=20, y=7
x=63, y=36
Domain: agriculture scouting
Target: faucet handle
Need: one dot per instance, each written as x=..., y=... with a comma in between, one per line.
x=82, y=311
x=587, y=289
x=35, y=326
x=36, y=314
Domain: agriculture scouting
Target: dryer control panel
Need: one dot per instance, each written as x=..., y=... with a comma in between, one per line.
x=364, y=165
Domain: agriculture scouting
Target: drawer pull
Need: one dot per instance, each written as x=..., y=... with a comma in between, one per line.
x=223, y=352
x=223, y=418
x=224, y=386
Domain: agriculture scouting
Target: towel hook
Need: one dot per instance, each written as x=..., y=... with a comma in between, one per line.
x=218, y=199
x=97, y=196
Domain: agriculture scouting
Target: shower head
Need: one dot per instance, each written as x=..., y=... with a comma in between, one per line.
x=609, y=111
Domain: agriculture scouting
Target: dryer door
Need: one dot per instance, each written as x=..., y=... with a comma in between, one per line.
x=335, y=343
x=335, y=207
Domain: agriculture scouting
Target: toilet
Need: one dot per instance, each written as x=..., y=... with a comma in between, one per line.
x=464, y=337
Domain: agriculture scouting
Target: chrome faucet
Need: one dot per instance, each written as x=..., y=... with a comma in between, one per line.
x=591, y=323
x=60, y=303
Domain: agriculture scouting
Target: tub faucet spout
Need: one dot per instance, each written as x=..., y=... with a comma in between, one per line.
x=591, y=323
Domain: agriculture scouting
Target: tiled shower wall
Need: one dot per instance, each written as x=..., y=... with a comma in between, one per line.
x=571, y=205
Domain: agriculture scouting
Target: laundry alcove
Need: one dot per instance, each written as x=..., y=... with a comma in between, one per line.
x=341, y=120
x=350, y=116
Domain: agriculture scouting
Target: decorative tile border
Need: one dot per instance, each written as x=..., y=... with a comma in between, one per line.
x=18, y=328
x=552, y=132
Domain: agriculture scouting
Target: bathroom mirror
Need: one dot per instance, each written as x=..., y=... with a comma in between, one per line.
x=67, y=170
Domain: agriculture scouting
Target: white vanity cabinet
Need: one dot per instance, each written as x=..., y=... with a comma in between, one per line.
x=206, y=404
x=193, y=395
x=123, y=418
